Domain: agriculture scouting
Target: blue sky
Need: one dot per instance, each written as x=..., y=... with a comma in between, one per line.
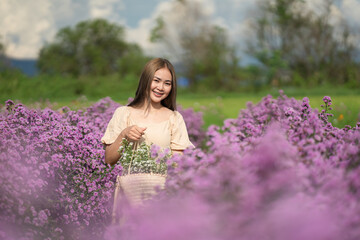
x=25, y=25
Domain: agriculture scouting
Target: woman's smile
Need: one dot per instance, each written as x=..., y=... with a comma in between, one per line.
x=157, y=93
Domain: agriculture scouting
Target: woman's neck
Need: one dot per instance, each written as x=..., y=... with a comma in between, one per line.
x=152, y=107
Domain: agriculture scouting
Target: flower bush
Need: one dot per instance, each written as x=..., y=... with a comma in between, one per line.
x=278, y=171
x=54, y=179
x=54, y=182
x=194, y=124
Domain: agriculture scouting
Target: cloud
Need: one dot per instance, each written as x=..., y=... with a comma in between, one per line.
x=351, y=9
x=236, y=16
x=174, y=15
x=141, y=34
x=241, y=13
x=107, y=9
x=232, y=15
x=27, y=25
x=22, y=30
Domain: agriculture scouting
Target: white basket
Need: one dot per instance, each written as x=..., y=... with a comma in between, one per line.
x=140, y=187
x=137, y=188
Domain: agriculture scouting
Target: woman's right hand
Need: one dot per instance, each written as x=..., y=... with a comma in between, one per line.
x=134, y=133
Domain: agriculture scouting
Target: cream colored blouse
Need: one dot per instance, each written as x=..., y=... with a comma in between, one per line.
x=171, y=133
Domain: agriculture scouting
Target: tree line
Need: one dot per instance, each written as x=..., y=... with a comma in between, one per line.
x=292, y=44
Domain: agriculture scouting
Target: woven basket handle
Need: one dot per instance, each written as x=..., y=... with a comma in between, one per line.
x=132, y=156
x=145, y=138
x=134, y=152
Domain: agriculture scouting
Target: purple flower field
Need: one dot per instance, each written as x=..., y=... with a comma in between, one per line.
x=279, y=171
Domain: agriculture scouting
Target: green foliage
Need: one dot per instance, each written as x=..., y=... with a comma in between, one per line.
x=94, y=47
x=277, y=68
x=57, y=91
x=140, y=160
x=58, y=88
x=3, y=64
x=218, y=106
x=155, y=32
x=9, y=76
x=2, y=49
x=296, y=43
x=133, y=62
x=8, y=86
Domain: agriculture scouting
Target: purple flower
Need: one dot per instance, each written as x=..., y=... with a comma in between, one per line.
x=279, y=169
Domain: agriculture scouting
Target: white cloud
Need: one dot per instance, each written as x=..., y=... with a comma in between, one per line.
x=105, y=8
x=27, y=25
x=233, y=15
x=141, y=34
x=351, y=9
x=22, y=29
x=68, y=12
x=341, y=10
x=174, y=15
x=236, y=16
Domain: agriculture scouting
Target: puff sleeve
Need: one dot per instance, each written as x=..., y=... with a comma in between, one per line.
x=179, y=135
x=117, y=123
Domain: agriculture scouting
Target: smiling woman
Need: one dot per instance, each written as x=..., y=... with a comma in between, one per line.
x=150, y=118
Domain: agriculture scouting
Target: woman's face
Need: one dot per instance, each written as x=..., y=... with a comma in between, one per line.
x=161, y=85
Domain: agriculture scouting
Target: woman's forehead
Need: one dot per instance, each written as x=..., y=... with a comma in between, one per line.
x=163, y=74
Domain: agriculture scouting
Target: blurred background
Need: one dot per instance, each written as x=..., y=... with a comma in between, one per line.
x=225, y=52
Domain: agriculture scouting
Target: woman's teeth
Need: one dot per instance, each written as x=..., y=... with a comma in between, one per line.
x=157, y=94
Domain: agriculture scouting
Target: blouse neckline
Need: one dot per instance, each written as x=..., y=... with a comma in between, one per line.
x=157, y=123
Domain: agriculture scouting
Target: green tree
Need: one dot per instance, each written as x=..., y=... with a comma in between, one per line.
x=6, y=70
x=202, y=48
x=10, y=77
x=291, y=39
x=133, y=61
x=92, y=47
x=2, y=54
x=2, y=49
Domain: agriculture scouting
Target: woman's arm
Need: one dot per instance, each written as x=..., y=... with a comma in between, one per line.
x=132, y=134
x=111, y=150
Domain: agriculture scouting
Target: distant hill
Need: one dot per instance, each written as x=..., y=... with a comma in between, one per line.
x=27, y=66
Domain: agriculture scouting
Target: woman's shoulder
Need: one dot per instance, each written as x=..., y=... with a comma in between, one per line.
x=168, y=111
x=123, y=108
x=177, y=113
x=120, y=111
x=175, y=116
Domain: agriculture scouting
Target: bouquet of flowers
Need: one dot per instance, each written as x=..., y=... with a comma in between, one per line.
x=142, y=159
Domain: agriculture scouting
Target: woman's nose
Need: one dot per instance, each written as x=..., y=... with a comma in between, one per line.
x=160, y=86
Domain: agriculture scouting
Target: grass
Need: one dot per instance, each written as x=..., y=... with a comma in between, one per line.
x=216, y=109
x=218, y=106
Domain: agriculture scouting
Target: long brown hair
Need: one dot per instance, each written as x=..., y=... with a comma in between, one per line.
x=147, y=77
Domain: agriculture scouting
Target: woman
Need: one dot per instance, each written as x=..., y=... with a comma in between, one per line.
x=151, y=116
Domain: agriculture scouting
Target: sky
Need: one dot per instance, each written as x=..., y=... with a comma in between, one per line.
x=26, y=25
